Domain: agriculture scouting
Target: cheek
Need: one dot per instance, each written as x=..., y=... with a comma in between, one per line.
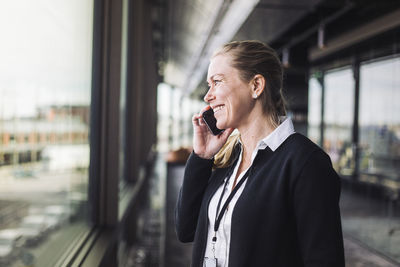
x=240, y=107
x=234, y=111
x=236, y=104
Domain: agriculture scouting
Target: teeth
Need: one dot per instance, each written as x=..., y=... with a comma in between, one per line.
x=216, y=109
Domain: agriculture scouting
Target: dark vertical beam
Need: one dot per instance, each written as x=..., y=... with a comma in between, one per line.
x=110, y=126
x=142, y=83
x=141, y=115
x=355, y=132
x=104, y=128
x=151, y=80
x=103, y=189
x=95, y=110
x=321, y=80
x=130, y=95
x=134, y=91
x=296, y=86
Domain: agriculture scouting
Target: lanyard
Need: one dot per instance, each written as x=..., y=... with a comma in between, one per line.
x=220, y=214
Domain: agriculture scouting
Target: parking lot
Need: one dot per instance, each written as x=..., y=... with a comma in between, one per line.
x=35, y=205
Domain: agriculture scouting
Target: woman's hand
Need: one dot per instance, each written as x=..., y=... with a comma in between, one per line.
x=205, y=144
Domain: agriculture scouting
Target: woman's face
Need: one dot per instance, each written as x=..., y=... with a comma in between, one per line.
x=229, y=97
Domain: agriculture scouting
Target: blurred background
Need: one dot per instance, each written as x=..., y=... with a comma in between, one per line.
x=96, y=100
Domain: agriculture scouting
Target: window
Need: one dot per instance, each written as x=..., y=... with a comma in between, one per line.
x=164, y=108
x=45, y=90
x=338, y=119
x=176, y=116
x=372, y=215
x=188, y=105
x=379, y=118
x=314, y=110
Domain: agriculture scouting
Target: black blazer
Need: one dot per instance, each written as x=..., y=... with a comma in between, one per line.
x=288, y=214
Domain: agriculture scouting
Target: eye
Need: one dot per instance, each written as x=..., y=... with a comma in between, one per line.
x=213, y=82
x=216, y=82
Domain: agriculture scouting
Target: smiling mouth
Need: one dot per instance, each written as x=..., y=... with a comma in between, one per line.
x=218, y=108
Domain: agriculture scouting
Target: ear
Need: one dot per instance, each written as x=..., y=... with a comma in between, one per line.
x=258, y=85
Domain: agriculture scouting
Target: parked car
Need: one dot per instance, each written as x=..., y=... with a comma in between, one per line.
x=34, y=229
x=23, y=173
x=10, y=246
x=56, y=215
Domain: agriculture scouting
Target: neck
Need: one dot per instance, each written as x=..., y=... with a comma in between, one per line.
x=252, y=132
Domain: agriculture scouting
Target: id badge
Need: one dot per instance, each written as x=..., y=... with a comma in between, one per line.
x=210, y=262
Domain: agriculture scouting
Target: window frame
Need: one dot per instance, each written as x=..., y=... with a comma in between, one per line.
x=90, y=247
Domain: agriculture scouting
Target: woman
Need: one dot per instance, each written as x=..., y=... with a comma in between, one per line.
x=264, y=197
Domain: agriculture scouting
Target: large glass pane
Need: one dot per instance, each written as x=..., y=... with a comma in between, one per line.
x=186, y=122
x=376, y=220
x=380, y=118
x=338, y=119
x=314, y=110
x=164, y=107
x=175, y=111
x=45, y=85
x=176, y=116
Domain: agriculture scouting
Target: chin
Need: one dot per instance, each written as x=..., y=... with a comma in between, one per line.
x=221, y=125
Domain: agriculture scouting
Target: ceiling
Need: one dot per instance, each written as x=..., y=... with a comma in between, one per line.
x=191, y=30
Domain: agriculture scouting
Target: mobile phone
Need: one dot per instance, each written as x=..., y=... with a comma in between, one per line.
x=211, y=122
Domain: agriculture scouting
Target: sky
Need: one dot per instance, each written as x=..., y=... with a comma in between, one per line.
x=45, y=54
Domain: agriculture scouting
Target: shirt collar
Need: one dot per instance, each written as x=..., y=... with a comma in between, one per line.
x=278, y=136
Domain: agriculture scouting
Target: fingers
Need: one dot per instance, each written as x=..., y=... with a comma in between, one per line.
x=226, y=133
x=197, y=119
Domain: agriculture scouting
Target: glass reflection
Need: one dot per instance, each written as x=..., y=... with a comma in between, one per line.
x=338, y=119
x=377, y=222
x=45, y=85
x=380, y=119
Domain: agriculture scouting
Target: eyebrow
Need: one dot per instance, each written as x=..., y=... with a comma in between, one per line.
x=212, y=77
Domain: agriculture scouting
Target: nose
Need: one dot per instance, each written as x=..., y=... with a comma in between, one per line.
x=209, y=96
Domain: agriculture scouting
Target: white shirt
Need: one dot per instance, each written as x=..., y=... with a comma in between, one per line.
x=273, y=141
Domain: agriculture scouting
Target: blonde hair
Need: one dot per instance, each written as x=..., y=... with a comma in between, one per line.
x=251, y=58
